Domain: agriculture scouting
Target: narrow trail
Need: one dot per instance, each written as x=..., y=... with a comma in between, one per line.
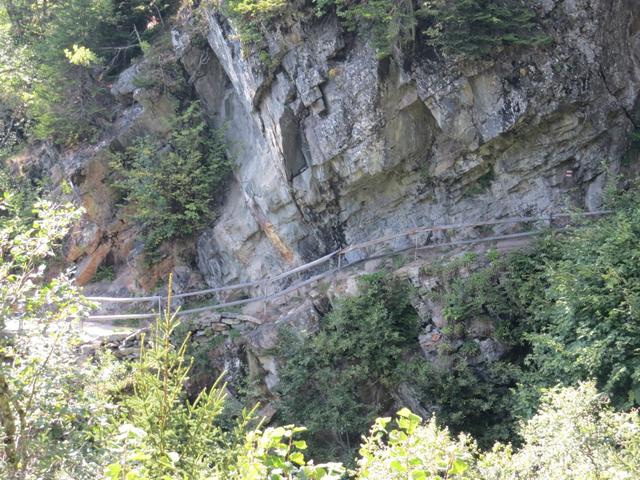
x=417, y=242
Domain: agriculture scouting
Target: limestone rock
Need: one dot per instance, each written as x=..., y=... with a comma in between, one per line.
x=338, y=147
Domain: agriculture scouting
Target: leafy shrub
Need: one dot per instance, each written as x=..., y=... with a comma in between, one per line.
x=49, y=402
x=503, y=291
x=415, y=450
x=367, y=349
x=567, y=307
x=160, y=434
x=173, y=187
x=587, y=327
x=105, y=273
x=575, y=435
x=467, y=398
x=478, y=27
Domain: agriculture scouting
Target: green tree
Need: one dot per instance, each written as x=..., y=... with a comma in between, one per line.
x=391, y=23
x=587, y=327
x=47, y=400
x=161, y=434
x=66, y=97
x=575, y=435
x=478, y=27
x=567, y=308
x=336, y=381
x=174, y=186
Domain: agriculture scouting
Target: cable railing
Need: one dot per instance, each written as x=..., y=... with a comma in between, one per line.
x=335, y=262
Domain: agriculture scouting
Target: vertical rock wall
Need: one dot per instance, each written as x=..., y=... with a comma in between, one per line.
x=334, y=146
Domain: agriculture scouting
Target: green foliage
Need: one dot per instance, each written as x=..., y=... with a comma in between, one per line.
x=415, y=450
x=105, y=273
x=472, y=28
x=254, y=17
x=502, y=291
x=337, y=381
x=49, y=402
x=160, y=434
x=391, y=23
x=63, y=98
x=57, y=403
x=476, y=28
x=568, y=308
x=274, y=453
x=469, y=27
x=57, y=54
x=26, y=243
x=173, y=187
x=574, y=436
x=468, y=398
x=588, y=328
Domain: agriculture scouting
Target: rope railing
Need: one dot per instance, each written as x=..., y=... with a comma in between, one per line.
x=342, y=265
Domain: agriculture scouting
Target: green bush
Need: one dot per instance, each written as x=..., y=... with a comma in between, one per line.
x=391, y=23
x=467, y=398
x=575, y=435
x=65, y=95
x=105, y=273
x=473, y=28
x=568, y=308
x=367, y=349
x=478, y=27
x=159, y=433
x=337, y=381
x=254, y=17
x=587, y=327
x=173, y=187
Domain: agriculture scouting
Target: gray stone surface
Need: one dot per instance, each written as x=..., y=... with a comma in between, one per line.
x=333, y=146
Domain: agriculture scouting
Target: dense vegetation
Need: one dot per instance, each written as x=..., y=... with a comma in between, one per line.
x=559, y=403
x=571, y=305
x=472, y=28
x=171, y=187
x=57, y=58
x=339, y=380
x=61, y=418
x=565, y=312
x=475, y=28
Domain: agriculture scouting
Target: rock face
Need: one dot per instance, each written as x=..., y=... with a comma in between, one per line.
x=334, y=146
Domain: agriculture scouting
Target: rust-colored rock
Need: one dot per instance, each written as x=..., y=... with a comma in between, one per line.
x=88, y=267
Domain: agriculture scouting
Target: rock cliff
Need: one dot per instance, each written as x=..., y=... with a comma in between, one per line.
x=332, y=145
